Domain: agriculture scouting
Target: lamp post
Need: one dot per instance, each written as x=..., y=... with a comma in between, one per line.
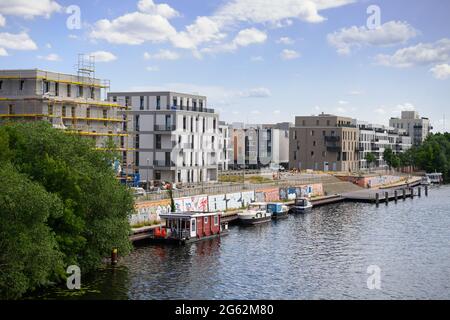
x=148, y=164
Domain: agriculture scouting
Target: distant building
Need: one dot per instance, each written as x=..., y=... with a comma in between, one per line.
x=376, y=139
x=174, y=136
x=417, y=128
x=324, y=142
x=256, y=146
x=69, y=102
x=225, y=147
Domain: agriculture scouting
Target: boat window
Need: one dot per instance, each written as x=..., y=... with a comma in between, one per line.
x=193, y=225
x=216, y=220
x=206, y=220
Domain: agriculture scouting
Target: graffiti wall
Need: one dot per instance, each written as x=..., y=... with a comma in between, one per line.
x=195, y=203
x=217, y=202
x=222, y=202
x=290, y=193
x=248, y=197
x=234, y=200
x=267, y=195
x=149, y=211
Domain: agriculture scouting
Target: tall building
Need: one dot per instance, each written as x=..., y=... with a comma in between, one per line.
x=324, y=142
x=418, y=128
x=258, y=145
x=71, y=102
x=174, y=136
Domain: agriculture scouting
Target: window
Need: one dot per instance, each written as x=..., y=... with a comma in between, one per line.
x=317, y=122
x=11, y=109
x=193, y=227
x=136, y=122
x=216, y=220
x=69, y=90
x=174, y=101
x=46, y=87
x=105, y=114
x=92, y=90
x=141, y=103
x=314, y=143
x=214, y=124
x=157, y=175
x=303, y=123
x=22, y=84
x=88, y=112
x=295, y=134
x=127, y=101
x=158, y=141
x=206, y=220
x=192, y=124
x=56, y=89
x=114, y=98
x=201, y=104
x=324, y=133
x=63, y=111
x=312, y=154
x=50, y=109
x=137, y=141
x=312, y=133
x=184, y=123
x=1, y=84
x=73, y=112
x=80, y=91
x=158, y=103
x=295, y=155
x=328, y=123
x=204, y=125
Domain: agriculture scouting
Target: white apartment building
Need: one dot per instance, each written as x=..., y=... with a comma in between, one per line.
x=69, y=102
x=376, y=139
x=225, y=148
x=417, y=128
x=174, y=137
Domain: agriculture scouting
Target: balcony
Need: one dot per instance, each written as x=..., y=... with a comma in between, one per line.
x=332, y=138
x=164, y=127
x=163, y=164
x=333, y=148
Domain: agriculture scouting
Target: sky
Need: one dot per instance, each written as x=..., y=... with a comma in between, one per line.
x=257, y=61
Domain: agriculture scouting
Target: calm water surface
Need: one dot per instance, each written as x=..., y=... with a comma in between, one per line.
x=320, y=255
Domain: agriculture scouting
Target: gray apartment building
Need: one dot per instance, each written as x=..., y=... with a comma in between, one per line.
x=70, y=102
x=173, y=136
x=417, y=128
x=324, y=142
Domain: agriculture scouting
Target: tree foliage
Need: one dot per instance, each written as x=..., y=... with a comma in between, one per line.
x=80, y=207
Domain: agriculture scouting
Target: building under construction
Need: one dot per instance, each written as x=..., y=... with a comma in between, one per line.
x=75, y=103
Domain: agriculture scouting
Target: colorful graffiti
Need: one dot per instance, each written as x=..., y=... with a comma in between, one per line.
x=149, y=211
x=267, y=195
x=189, y=204
x=291, y=193
x=228, y=201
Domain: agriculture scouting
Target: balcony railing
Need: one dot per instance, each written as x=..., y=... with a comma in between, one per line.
x=164, y=127
x=163, y=163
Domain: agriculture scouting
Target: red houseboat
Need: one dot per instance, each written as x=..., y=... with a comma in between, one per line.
x=188, y=227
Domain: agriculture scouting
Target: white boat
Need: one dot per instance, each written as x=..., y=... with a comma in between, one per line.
x=435, y=178
x=301, y=205
x=256, y=213
x=425, y=181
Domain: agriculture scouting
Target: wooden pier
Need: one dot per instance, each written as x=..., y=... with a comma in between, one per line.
x=378, y=196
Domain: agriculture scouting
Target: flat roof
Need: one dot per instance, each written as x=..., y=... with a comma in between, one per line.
x=155, y=93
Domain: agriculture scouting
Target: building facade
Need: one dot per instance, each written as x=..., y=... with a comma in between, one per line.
x=225, y=148
x=256, y=146
x=417, y=128
x=174, y=137
x=324, y=142
x=71, y=102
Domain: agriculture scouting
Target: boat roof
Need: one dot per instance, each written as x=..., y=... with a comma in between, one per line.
x=187, y=214
x=258, y=203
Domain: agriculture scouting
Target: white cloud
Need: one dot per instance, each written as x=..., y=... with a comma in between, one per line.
x=285, y=41
x=380, y=110
x=48, y=45
x=249, y=36
x=355, y=93
x=420, y=54
x=152, y=68
x=256, y=93
x=441, y=71
x=255, y=112
x=276, y=12
x=29, y=9
x=103, y=56
x=276, y=112
x=256, y=59
x=2, y=21
x=16, y=41
x=405, y=107
x=342, y=102
x=341, y=110
x=134, y=29
x=50, y=57
x=162, y=55
x=287, y=54
x=164, y=10
x=390, y=33
x=3, y=52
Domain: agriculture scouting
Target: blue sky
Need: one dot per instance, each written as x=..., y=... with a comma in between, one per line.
x=258, y=61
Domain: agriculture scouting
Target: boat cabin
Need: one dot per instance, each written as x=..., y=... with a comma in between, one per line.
x=258, y=206
x=275, y=207
x=191, y=226
x=435, y=177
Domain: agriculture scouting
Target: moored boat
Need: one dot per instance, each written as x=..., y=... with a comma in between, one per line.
x=435, y=178
x=278, y=210
x=255, y=214
x=301, y=205
x=185, y=227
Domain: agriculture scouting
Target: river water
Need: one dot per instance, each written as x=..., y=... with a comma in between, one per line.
x=324, y=254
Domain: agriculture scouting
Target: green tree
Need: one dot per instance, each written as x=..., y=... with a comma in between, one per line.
x=388, y=157
x=29, y=254
x=95, y=207
x=370, y=158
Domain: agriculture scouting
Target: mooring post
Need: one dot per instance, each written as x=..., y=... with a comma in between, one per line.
x=377, y=199
x=395, y=195
x=386, y=197
x=404, y=194
x=426, y=191
x=114, y=256
x=411, y=190
x=419, y=191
